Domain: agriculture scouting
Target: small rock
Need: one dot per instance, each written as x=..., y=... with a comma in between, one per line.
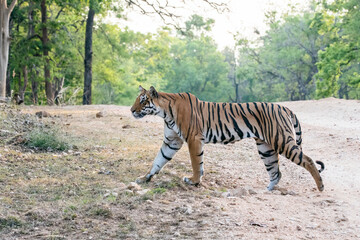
x=127, y=126
x=252, y=192
x=42, y=114
x=142, y=192
x=240, y=192
x=105, y=172
x=164, y=202
x=189, y=211
x=127, y=191
x=225, y=194
x=252, y=223
x=312, y=226
x=100, y=114
x=275, y=191
x=341, y=219
x=134, y=186
x=77, y=153
x=298, y=228
x=177, y=234
x=149, y=201
x=121, y=186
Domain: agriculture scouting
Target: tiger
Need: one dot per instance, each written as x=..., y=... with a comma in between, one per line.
x=275, y=128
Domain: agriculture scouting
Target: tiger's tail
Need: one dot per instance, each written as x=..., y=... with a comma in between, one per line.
x=297, y=128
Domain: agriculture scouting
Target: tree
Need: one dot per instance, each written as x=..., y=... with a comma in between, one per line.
x=197, y=65
x=164, y=10
x=88, y=53
x=5, y=12
x=45, y=44
x=339, y=68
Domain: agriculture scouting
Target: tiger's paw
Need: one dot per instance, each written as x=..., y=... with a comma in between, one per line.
x=144, y=179
x=191, y=182
x=274, y=182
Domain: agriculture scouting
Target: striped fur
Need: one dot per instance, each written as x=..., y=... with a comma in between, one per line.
x=275, y=128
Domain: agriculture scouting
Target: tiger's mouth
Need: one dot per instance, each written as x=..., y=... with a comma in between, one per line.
x=138, y=115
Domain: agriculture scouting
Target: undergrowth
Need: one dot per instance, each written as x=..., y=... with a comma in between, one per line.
x=29, y=131
x=47, y=139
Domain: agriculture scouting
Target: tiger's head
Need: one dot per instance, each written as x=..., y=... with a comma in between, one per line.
x=146, y=103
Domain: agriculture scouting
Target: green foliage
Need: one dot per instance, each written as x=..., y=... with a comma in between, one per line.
x=101, y=212
x=157, y=191
x=302, y=55
x=339, y=62
x=197, y=66
x=47, y=139
x=10, y=222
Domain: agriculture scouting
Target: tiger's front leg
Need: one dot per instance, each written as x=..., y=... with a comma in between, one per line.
x=171, y=144
x=196, y=155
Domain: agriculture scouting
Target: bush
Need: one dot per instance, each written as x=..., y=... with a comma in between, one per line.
x=47, y=139
x=9, y=222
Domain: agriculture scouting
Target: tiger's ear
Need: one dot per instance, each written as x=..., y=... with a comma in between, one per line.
x=153, y=92
x=141, y=89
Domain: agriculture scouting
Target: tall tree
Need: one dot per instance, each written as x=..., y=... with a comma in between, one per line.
x=45, y=42
x=5, y=12
x=88, y=53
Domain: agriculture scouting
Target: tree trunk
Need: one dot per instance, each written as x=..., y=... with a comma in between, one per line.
x=8, y=80
x=34, y=87
x=4, y=43
x=45, y=40
x=8, y=72
x=23, y=87
x=58, y=87
x=88, y=57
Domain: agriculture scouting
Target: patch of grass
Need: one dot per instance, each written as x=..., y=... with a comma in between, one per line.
x=158, y=190
x=27, y=130
x=102, y=212
x=150, y=194
x=125, y=228
x=70, y=213
x=111, y=198
x=169, y=184
x=10, y=222
x=46, y=139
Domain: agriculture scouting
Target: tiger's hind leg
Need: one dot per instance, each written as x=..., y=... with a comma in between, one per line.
x=271, y=160
x=295, y=154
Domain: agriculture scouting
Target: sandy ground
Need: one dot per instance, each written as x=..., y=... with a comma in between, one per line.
x=232, y=201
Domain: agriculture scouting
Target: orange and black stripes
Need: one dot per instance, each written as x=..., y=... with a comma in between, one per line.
x=276, y=129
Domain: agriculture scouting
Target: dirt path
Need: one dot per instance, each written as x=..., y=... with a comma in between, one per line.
x=232, y=201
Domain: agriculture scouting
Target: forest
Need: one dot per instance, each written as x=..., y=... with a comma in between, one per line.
x=66, y=52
